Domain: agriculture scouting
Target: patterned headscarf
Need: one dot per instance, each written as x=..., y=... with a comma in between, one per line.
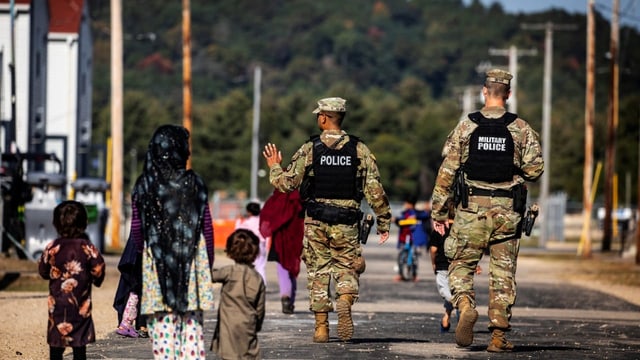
x=171, y=200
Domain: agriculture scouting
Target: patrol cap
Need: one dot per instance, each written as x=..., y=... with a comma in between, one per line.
x=335, y=104
x=499, y=76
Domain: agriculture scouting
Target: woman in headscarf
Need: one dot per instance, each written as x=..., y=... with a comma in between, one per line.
x=169, y=212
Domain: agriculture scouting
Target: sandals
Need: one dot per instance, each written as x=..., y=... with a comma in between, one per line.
x=127, y=332
x=143, y=332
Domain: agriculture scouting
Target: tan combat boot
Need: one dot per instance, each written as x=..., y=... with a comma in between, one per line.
x=468, y=318
x=322, y=328
x=345, y=323
x=499, y=342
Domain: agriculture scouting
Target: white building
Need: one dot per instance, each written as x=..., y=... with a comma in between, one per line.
x=53, y=57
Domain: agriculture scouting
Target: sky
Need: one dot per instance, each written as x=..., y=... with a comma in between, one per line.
x=629, y=9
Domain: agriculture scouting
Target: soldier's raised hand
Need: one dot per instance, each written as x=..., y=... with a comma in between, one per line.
x=272, y=154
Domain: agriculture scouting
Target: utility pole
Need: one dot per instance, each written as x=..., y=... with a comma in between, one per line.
x=589, y=116
x=116, y=122
x=1, y=151
x=638, y=211
x=257, y=78
x=469, y=95
x=548, y=27
x=513, y=53
x=612, y=127
x=10, y=133
x=186, y=71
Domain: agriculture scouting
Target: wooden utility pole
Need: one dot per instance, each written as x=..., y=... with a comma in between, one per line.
x=116, y=122
x=512, y=53
x=612, y=127
x=638, y=211
x=589, y=115
x=186, y=70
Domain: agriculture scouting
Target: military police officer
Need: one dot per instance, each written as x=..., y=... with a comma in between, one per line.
x=334, y=172
x=487, y=159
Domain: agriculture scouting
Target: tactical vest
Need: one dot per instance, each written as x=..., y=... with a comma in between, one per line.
x=491, y=149
x=335, y=172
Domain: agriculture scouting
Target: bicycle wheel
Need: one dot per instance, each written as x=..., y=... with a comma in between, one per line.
x=414, y=267
x=404, y=268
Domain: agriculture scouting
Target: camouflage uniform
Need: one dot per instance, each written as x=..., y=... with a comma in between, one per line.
x=487, y=221
x=332, y=249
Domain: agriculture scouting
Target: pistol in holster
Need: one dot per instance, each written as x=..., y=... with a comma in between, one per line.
x=460, y=189
x=365, y=228
x=529, y=219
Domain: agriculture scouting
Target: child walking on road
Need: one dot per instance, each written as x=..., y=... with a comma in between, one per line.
x=72, y=264
x=242, y=300
x=252, y=222
x=440, y=265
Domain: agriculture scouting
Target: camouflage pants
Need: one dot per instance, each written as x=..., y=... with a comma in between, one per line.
x=486, y=222
x=329, y=251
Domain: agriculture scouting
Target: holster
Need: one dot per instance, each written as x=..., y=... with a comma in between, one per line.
x=529, y=219
x=365, y=228
x=460, y=189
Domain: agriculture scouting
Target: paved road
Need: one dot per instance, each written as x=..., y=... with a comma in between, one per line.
x=400, y=320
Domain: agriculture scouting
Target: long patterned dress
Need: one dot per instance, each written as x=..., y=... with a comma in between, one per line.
x=71, y=266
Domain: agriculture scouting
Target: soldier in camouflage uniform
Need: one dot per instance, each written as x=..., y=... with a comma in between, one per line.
x=497, y=152
x=334, y=172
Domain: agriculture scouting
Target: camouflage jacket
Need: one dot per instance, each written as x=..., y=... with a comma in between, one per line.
x=288, y=179
x=527, y=157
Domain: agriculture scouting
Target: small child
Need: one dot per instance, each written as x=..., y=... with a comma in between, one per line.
x=440, y=265
x=412, y=230
x=242, y=300
x=252, y=222
x=71, y=263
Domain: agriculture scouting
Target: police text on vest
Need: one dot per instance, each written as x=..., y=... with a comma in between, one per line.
x=335, y=160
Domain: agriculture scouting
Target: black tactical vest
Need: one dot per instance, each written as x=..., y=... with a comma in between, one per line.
x=491, y=149
x=335, y=171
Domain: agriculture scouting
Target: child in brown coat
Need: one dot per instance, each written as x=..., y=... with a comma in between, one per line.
x=242, y=300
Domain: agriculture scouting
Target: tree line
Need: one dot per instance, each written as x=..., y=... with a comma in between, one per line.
x=400, y=64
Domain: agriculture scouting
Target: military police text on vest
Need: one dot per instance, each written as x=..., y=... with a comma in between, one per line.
x=491, y=143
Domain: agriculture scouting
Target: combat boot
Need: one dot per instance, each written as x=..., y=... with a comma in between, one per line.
x=466, y=321
x=499, y=342
x=322, y=328
x=345, y=322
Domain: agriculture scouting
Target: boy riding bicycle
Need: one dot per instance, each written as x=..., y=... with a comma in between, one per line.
x=413, y=234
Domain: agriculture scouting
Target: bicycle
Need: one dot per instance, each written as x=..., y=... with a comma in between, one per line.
x=408, y=261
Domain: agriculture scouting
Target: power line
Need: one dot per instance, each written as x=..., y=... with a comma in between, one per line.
x=627, y=13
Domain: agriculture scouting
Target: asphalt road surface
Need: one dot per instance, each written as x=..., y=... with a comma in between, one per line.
x=400, y=320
